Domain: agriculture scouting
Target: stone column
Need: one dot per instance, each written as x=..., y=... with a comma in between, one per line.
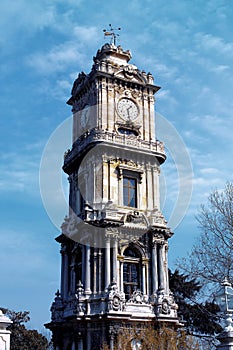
x=161, y=267
x=72, y=277
x=154, y=269
x=103, y=102
x=146, y=127
x=107, y=262
x=73, y=345
x=95, y=272
x=144, y=278
x=115, y=262
x=150, y=187
x=80, y=344
x=106, y=180
x=111, y=106
x=166, y=268
x=156, y=194
x=121, y=275
x=111, y=343
x=100, y=269
x=64, y=272
x=88, y=339
x=93, y=172
x=152, y=120
x=4, y=333
x=88, y=270
x=120, y=187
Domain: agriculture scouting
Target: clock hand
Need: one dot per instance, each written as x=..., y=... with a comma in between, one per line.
x=128, y=112
x=130, y=107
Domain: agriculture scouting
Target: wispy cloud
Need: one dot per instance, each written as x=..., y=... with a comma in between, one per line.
x=36, y=254
x=24, y=18
x=60, y=58
x=19, y=173
x=209, y=42
x=57, y=59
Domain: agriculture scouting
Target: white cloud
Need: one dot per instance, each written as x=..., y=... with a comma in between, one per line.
x=13, y=241
x=220, y=68
x=24, y=16
x=213, y=125
x=210, y=171
x=72, y=53
x=57, y=59
x=19, y=172
x=167, y=96
x=86, y=34
x=25, y=19
x=209, y=42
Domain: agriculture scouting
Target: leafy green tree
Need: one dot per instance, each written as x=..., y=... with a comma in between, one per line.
x=21, y=337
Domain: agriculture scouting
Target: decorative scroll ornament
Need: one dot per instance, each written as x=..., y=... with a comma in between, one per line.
x=81, y=307
x=138, y=297
x=165, y=305
x=157, y=219
x=116, y=299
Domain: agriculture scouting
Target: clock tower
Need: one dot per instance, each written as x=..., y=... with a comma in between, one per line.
x=114, y=240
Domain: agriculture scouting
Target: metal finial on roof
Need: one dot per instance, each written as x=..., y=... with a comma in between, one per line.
x=112, y=32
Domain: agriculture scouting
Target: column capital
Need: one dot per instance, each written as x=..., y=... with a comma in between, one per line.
x=145, y=261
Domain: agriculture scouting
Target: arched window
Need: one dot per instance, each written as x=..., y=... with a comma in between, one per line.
x=131, y=271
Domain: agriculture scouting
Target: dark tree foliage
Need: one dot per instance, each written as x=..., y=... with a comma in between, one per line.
x=21, y=337
x=199, y=317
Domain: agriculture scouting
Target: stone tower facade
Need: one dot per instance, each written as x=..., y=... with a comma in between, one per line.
x=114, y=242
x=5, y=334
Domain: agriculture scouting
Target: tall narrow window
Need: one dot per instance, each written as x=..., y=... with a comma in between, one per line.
x=130, y=278
x=131, y=272
x=129, y=192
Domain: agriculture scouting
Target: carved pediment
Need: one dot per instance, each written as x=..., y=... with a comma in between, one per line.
x=130, y=72
x=136, y=219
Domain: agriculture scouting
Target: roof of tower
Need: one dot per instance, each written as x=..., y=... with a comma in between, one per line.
x=110, y=52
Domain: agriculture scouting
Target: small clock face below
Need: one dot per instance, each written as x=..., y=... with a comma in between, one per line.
x=127, y=109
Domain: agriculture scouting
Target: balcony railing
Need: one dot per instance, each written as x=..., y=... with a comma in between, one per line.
x=96, y=136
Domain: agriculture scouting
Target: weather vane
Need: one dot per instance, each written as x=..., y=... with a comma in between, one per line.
x=112, y=32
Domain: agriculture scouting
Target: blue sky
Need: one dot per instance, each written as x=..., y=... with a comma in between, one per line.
x=186, y=45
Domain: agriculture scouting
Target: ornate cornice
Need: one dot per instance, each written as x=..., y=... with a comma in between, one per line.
x=94, y=136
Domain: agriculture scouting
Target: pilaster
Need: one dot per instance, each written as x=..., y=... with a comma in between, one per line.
x=107, y=262
x=154, y=271
x=88, y=270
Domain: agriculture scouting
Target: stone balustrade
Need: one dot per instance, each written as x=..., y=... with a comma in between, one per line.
x=97, y=136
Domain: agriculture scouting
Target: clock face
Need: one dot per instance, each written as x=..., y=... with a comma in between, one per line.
x=127, y=109
x=85, y=115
